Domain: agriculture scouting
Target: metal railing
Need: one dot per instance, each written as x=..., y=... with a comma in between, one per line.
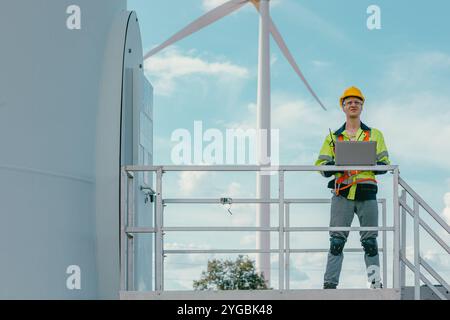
x=284, y=229
x=419, y=262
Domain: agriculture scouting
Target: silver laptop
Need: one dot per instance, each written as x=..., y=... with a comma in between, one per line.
x=351, y=153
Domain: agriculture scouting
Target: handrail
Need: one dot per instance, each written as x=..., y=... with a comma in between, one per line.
x=418, y=260
x=424, y=279
x=424, y=205
x=292, y=229
x=434, y=274
x=430, y=231
x=128, y=229
x=236, y=168
x=189, y=251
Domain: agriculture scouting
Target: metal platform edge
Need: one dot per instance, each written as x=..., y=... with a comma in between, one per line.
x=305, y=294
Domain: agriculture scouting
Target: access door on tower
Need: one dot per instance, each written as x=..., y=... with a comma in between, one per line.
x=137, y=149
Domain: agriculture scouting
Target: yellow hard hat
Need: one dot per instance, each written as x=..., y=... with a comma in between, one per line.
x=352, y=92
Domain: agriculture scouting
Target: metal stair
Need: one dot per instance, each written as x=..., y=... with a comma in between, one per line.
x=430, y=290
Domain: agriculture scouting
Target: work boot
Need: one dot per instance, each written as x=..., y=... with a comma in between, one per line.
x=376, y=285
x=328, y=285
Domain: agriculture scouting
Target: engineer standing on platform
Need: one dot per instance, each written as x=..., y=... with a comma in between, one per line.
x=353, y=191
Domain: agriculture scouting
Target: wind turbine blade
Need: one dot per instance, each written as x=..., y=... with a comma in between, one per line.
x=205, y=20
x=282, y=44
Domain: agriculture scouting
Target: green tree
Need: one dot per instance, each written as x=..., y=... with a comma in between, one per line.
x=231, y=275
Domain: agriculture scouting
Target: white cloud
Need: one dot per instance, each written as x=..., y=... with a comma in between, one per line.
x=190, y=181
x=291, y=114
x=273, y=59
x=412, y=112
x=242, y=218
x=211, y=4
x=436, y=258
x=440, y=262
x=162, y=146
x=416, y=129
x=301, y=126
x=446, y=211
x=252, y=107
x=418, y=70
x=186, y=260
x=310, y=259
x=171, y=65
x=181, y=269
x=414, y=134
x=300, y=123
x=234, y=189
x=248, y=240
x=247, y=119
x=321, y=63
x=288, y=113
x=298, y=275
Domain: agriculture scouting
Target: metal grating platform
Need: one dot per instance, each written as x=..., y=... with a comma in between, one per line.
x=306, y=294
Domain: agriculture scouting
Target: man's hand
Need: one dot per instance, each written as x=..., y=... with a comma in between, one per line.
x=379, y=163
x=328, y=174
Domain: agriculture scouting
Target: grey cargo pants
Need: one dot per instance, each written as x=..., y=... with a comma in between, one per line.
x=342, y=212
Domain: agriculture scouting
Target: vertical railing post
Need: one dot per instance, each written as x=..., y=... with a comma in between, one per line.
x=288, y=246
x=130, y=237
x=396, y=255
x=403, y=242
x=123, y=235
x=416, y=251
x=159, y=259
x=384, y=241
x=281, y=265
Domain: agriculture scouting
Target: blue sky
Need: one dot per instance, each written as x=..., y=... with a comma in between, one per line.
x=403, y=70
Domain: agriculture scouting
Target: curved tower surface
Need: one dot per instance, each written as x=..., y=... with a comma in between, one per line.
x=73, y=107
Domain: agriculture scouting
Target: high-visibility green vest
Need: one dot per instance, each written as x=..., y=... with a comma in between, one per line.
x=327, y=153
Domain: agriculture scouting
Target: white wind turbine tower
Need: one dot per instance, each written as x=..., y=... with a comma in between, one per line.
x=266, y=28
